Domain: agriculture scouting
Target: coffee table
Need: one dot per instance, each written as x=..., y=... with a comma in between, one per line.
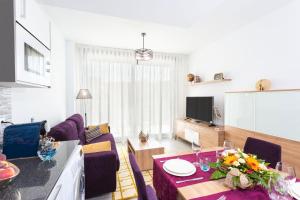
x=143, y=152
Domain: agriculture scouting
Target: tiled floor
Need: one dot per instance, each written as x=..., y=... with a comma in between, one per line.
x=125, y=186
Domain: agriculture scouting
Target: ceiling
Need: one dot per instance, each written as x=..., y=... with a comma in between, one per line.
x=180, y=13
x=178, y=26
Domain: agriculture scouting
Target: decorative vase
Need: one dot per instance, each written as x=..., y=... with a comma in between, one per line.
x=143, y=137
x=263, y=84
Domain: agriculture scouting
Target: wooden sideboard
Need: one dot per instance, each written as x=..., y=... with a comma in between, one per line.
x=205, y=135
x=290, y=149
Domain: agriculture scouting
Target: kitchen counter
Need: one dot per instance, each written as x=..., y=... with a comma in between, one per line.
x=37, y=178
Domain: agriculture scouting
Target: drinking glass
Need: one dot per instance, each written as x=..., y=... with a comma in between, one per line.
x=288, y=172
x=204, y=164
x=227, y=145
x=278, y=190
x=196, y=150
x=218, y=153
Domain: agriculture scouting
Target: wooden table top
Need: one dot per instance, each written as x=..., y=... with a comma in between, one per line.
x=139, y=146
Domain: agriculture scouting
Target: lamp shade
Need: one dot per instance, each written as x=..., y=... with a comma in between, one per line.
x=84, y=94
x=143, y=54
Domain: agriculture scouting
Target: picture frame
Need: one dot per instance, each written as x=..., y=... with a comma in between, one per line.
x=197, y=79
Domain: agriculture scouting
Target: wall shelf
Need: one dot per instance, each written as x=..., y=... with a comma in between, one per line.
x=209, y=82
x=275, y=90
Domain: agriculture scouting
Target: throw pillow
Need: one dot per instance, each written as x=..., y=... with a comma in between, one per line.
x=97, y=147
x=103, y=128
x=92, y=133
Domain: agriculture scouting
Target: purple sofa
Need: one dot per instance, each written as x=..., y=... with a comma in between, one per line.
x=100, y=168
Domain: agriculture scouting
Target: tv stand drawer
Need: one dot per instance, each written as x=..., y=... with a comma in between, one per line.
x=206, y=136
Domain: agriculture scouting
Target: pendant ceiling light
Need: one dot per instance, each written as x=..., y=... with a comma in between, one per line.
x=143, y=54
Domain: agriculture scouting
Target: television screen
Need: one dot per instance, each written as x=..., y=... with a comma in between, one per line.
x=200, y=108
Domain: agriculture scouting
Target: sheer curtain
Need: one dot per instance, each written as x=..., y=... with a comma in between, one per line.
x=131, y=97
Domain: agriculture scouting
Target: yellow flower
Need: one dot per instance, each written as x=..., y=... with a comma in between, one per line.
x=229, y=160
x=252, y=163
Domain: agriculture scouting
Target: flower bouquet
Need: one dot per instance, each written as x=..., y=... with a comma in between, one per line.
x=242, y=170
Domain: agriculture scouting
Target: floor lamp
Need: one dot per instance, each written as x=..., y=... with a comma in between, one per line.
x=84, y=94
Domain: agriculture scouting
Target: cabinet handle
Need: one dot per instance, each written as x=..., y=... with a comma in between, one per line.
x=23, y=10
x=82, y=183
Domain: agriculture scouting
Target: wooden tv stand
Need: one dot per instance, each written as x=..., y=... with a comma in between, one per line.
x=205, y=135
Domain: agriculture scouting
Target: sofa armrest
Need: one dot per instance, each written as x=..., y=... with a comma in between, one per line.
x=100, y=171
x=101, y=160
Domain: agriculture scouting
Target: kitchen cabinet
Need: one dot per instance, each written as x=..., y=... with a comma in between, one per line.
x=25, y=58
x=70, y=184
x=29, y=14
x=274, y=113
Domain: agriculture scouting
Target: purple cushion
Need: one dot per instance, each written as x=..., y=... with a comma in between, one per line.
x=77, y=118
x=139, y=179
x=64, y=131
x=108, y=137
x=267, y=151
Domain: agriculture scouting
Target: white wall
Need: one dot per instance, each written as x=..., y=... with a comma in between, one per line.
x=70, y=78
x=266, y=48
x=43, y=103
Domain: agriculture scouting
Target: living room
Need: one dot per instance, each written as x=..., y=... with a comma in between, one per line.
x=133, y=83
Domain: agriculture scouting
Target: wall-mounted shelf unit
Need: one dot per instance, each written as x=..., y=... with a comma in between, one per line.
x=209, y=82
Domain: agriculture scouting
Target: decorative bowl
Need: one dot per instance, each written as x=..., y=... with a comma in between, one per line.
x=5, y=165
x=190, y=77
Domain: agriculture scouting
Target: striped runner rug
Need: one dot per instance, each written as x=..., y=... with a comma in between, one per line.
x=126, y=188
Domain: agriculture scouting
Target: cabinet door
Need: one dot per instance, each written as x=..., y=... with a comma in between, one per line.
x=240, y=110
x=32, y=59
x=30, y=15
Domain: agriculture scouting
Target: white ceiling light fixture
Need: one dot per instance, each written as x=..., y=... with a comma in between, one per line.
x=143, y=54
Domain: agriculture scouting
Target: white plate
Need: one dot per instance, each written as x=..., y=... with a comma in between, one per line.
x=295, y=190
x=181, y=175
x=179, y=166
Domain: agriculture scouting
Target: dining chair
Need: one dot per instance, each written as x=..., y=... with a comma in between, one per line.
x=145, y=192
x=267, y=151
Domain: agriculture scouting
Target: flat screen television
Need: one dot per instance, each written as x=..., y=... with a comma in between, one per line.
x=200, y=108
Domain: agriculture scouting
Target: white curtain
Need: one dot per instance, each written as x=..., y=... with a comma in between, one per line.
x=131, y=97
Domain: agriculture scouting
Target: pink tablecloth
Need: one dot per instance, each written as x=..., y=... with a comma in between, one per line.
x=256, y=193
x=166, y=186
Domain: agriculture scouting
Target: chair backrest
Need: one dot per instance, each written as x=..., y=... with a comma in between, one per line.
x=139, y=179
x=267, y=151
x=21, y=140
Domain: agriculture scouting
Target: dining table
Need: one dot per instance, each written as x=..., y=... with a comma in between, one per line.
x=199, y=185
